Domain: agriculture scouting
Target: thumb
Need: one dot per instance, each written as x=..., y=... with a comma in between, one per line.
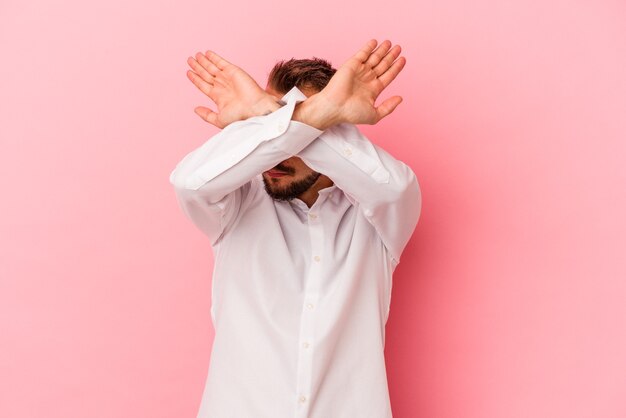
x=206, y=114
x=388, y=106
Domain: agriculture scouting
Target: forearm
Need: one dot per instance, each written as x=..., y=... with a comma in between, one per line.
x=265, y=106
x=317, y=112
x=314, y=111
x=243, y=150
x=384, y=188
x=212, y=181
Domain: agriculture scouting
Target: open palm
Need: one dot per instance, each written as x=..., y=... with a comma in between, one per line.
x=356, y=85
x=235, y=93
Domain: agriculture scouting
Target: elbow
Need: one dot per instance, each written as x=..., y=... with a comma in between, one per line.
x=177, y=179
x=410, y=194
x=400, y=199
x=174, y=180
x=415, y=197
x=184, y=181
x=405, y=197
x=407, y=188
x=192, y=189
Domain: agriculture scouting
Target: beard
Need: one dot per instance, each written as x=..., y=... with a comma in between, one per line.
x=294, y=189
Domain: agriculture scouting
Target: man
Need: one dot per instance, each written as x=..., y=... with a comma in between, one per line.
x=307, y=220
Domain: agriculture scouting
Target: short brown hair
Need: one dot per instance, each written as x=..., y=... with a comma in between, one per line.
x=312, y=74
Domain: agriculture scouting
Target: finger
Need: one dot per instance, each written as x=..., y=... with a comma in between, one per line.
x=200, y=83
x=207, y=65
x=378, y=54
x=388, y=106
x=386, y=62
x=391, y=73
x=207, y=114
x=365, y=50
x=219, y=62
x=199, y=69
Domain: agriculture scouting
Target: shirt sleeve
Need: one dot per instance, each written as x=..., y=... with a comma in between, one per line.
x=385, y=189
x=212, y=181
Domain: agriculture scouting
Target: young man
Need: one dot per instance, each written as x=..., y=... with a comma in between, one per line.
x=307, y=220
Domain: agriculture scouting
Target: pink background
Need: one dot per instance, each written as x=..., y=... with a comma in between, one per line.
x=510, y=300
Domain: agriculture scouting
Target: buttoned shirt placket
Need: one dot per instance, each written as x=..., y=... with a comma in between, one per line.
x=367, y=215
x=310, y=306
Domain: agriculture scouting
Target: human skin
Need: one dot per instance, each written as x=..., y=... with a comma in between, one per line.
x=349, y=97
x=299, y=170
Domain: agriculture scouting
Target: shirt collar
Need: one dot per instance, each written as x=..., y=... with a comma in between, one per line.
x=333, y=193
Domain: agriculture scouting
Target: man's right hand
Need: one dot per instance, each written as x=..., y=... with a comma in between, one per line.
x=351, y=93
x=235, y=93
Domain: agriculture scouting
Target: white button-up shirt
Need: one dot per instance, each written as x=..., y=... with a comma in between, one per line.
x=300, y=296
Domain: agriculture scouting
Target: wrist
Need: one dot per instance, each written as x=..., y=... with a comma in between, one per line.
x=266, y=105
x=317, y=112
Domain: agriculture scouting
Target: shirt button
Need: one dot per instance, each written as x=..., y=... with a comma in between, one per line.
x=309, y=305
x=347, y=152
x=305, y=345
x=302, y=399
x=317, y=258
x=312, y=216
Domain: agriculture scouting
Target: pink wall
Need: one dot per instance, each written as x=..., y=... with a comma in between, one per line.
x=510, y=301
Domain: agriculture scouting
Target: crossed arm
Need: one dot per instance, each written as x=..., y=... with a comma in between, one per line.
x=321, y=132
x=349, y=97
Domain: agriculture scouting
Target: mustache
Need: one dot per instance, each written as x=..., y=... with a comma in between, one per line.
x=288, y=170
